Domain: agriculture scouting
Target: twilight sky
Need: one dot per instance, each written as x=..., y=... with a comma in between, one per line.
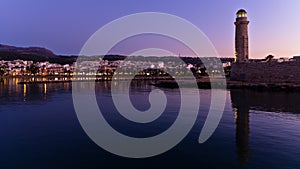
x=64, y=25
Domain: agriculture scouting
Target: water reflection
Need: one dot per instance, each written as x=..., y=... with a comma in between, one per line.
x=24, y=89
x=267, y=101
x=279, y=104
x=58, y=118
x=11, y=91
x=241, y=114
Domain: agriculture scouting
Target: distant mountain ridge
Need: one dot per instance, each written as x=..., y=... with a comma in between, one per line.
x=36, y=54
x=39, y=54
x=27, y=50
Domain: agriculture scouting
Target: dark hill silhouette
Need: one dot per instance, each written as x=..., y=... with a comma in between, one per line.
x=27, y=51
x=36, y=54
x=39, y=54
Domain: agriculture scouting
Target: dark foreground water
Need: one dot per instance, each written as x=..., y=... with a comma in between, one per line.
x=39, y=129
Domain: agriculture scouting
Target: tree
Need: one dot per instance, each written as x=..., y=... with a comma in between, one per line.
x=269, y=58
x=203, y=71
x=68, y=71
x=2, y=71
x=227, y=71
x=43, y=69
x=33, y=69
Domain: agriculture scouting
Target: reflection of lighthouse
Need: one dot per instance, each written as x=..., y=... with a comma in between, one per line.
x=241, y=110
x=241, y=37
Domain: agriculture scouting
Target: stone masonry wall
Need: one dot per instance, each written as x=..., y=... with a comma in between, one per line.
x=266, y=72
x=241, y=39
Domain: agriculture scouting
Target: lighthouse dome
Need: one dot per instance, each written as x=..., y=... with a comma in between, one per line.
x=241, y=13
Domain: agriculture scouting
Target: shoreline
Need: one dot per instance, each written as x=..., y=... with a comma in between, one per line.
x=230, y=84
x=168, y=82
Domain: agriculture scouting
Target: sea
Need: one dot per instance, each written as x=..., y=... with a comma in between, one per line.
x=40, y=128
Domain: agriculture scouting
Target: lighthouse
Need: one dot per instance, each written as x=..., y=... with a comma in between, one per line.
x=241, y=37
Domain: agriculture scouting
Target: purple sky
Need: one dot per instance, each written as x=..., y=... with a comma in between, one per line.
x=64, y=26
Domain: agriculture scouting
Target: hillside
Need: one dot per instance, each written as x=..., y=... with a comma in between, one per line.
x=36, y=54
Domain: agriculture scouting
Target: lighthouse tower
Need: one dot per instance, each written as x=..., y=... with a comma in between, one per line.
x=241, y=36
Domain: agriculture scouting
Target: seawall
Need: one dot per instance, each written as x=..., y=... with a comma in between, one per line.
x=266, y=72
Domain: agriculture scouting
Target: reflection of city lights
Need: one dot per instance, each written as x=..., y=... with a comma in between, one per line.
x=66, y=85
x=24, y=89
x=235, y=113
x=16, y=85
x=45, y=88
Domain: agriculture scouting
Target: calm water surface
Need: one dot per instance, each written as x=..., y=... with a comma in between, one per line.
x=39, y=129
